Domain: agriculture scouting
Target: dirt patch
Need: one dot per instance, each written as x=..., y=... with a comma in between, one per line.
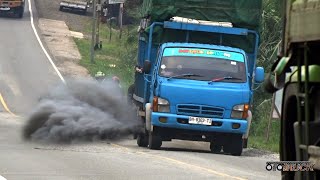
x=252, y=152
x=49, y=9
x=58, y=29
x=60, y=41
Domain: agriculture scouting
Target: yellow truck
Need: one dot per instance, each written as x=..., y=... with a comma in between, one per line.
x=12, y=7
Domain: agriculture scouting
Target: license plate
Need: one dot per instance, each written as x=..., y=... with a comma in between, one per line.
x=4, y=8
x=200, y=120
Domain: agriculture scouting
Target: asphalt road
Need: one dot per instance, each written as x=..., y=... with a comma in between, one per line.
x=25, y=74
x=25, y=71
x=120, y=160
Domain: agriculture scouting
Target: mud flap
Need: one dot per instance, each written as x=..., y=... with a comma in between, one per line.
x=249, y=119
x=148, y=117
x=246, y=135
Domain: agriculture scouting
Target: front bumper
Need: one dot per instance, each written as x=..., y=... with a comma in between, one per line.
x=10, y=9
x=181, y=122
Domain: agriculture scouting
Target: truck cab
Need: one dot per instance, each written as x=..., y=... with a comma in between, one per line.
x=14, y=7
x=196, y=86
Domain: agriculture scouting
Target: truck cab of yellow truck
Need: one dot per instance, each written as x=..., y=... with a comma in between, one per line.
x=12, y=7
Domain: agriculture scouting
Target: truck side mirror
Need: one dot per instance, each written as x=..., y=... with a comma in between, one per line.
x=259, y=75
x=147, y=66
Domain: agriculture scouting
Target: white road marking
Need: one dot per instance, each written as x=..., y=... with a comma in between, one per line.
x=2, y=178
x=41, y=44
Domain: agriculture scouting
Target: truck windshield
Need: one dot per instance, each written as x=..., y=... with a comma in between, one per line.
x=203, y=68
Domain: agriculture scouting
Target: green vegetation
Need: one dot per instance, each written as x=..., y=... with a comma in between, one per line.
x=123, y=53
x=116, y=58
x=262, y=101
x=258, y=132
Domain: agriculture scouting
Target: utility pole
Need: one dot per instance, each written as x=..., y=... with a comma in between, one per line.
x=98, y=24
x=120, y=19
x=93, y=40
x=110, y=27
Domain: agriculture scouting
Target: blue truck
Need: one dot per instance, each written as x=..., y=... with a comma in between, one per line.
x=194, y=81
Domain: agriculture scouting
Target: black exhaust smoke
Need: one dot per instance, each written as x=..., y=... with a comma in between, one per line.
x=82, y=110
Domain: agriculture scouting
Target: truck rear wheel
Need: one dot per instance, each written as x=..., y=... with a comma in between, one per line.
x=234, y=145
x=155, y=141
x=142, y=140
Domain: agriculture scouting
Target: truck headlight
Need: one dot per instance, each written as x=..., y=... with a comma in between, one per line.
x=240, y=111
x=160, y=105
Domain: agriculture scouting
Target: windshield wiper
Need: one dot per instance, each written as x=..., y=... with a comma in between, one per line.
x=185, y=75
x=223, y=78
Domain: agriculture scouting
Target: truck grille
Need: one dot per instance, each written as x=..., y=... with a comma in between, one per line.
x=200, y=110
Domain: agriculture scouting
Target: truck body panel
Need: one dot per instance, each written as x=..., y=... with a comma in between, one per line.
x=303, y=21
x=180, y=122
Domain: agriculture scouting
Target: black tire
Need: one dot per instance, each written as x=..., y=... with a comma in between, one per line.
x=61, y=8
x=19, y=13
x=215, y=148
x=234, y=145
x=245, y=143
x=289, y=116
x=142, y=140
x=155, y=141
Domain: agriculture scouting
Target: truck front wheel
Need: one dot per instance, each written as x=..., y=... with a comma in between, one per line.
x=215, y=148
x=234, y=145
x=155, y=141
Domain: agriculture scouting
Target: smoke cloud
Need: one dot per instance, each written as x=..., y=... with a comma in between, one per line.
x=82, y=110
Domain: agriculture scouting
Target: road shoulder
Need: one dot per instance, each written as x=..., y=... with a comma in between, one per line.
x=59, y=40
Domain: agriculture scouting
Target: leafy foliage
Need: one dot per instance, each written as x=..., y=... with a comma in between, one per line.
x=271, y=32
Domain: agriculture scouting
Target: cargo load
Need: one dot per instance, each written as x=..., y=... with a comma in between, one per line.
x=241, y=13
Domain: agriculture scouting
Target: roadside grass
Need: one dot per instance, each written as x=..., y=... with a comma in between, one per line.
x=258, y=131
x=116, y=58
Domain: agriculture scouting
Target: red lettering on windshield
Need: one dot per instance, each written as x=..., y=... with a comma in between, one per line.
x=183, y=50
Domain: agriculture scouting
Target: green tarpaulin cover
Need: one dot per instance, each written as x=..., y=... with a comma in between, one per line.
x=242, y=13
